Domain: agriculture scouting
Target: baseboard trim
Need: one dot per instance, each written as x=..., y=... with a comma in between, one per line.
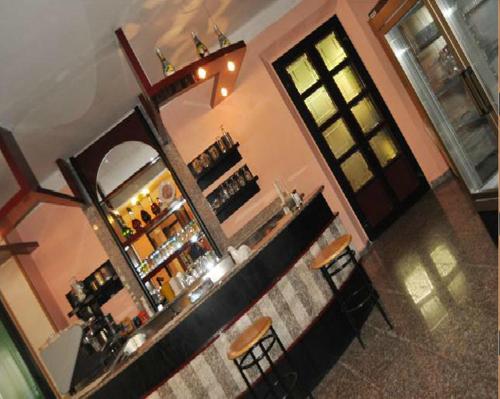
x=446, y=176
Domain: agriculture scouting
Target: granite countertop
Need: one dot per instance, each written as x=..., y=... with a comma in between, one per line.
x=155, y=333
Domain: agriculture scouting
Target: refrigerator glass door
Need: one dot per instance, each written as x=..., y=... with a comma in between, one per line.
x=447, y=94
x=475, y=25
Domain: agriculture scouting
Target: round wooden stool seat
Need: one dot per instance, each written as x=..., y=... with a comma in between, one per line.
x=249, y=337
x=330, y=252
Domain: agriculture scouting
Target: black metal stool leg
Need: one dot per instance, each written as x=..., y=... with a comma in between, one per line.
x=274, y=370
x=378, y=302
x=287, y=358
x=250, y=388
x=384, y=314
x=263, y=374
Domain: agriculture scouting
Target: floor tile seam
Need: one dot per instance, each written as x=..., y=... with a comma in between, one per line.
x=434, y=353
x=359, y=376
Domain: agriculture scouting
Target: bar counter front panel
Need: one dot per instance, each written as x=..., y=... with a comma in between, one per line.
x=189, y=361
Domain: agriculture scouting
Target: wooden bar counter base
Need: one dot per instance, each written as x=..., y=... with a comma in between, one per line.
x=185, y=356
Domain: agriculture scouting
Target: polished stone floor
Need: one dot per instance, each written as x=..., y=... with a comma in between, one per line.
x=436, y=272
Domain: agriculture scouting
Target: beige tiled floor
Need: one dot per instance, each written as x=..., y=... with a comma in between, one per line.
x=436, y=272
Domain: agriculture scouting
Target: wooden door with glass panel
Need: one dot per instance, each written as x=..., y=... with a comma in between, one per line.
x=351, y=125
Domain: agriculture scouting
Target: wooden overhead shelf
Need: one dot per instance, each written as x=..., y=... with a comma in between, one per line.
x=215, y=65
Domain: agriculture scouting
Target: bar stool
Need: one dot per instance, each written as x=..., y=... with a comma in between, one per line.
x=332, y=260
x=253, y=345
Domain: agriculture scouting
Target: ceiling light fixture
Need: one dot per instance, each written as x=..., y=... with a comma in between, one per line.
x=201, y=72
x=224, y=92
x=231, y=66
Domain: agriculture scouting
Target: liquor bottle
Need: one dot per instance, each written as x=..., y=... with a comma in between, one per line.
x=228, y=140
x=154, y=206
x=223, y=40
x=136, y=223
x=125, y=230
x=145, y=216
x=201, y=49
x=167, y=67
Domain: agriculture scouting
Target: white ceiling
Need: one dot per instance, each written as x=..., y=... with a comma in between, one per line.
x=63, y=79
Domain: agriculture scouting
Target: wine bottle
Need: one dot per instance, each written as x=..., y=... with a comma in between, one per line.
x=167, y=67
x=223, y=40
x=136, y=223
x=201, y=49
x=145, y=216
x=125, y=230
x=154, y=207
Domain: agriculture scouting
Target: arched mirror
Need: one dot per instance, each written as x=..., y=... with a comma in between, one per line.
x=141, y=200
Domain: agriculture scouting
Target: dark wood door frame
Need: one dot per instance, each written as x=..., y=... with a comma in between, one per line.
x=304, y=46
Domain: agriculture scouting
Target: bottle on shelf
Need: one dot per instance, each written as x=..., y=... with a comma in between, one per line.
x=124, y=229
x=226, y=137
x=155, y=208
x=136, y=223
x=145, y=216
x=246, y=172
x=159, y=203
x=167, y=67
x=221, y=37
x=201, y=49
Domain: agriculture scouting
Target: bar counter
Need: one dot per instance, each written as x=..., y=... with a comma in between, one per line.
x=184, y=355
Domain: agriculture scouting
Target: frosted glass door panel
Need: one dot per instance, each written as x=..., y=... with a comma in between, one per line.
x=475, y=25
x=434, y=73
x=338, y=138
x=321, y=106
x=302, y=73
x=15, y=378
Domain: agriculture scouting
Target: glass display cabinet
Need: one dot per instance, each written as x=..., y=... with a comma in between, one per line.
x=446, y=51
x=146, y=209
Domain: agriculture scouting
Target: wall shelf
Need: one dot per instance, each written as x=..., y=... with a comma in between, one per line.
x=225, y=161
x=237, y=200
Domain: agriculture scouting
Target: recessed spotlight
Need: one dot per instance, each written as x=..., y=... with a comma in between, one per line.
x=224, y=92
x=202, y=73
x=231, y=66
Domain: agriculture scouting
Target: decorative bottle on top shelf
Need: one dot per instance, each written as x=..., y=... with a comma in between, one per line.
x=145, y=216
x=201, y=49
x=155, y=208
x=125, y=230
x=223, y=40
x=136, y=223
x=167, y=67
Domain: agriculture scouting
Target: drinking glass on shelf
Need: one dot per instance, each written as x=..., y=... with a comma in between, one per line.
x=246, y=172
x=230, y=188
x=241, y=178
x=222, y=146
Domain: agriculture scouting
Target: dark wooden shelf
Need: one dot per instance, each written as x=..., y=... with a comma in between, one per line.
x=101, y=296
x=185, y=78
x=225, y=161
x=237, y=200
x=153, y=224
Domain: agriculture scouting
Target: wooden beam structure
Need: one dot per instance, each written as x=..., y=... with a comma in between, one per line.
x=21, y=248
x=30, y=193
x=215, y=66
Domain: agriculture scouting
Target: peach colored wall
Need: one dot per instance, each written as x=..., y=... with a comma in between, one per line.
x=17, y=294
x=68, y=247
x=274, y=141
